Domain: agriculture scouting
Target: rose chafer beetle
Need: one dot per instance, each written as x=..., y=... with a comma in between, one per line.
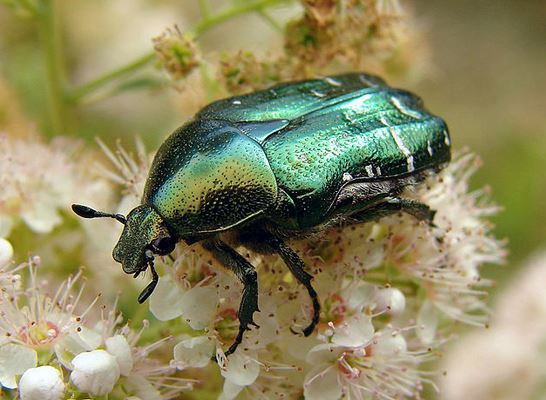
x=279, y=164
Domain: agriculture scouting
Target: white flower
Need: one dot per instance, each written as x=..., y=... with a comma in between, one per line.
x=194, y=352
x=127, y=172
x=185, y=294
x=463, y=243
x=241, y=369
x=36, y=320
x=15, y=360
x=42, y=383
x=322, y=383
x=382, y=367
x=355, y=332
x=199, y=306
x=95, y=372
x=146, y=377
x=143, y=388
x=230, y=390
x=166, y=300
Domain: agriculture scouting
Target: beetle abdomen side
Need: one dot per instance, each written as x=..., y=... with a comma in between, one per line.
x=208, y=177
x=377, y=136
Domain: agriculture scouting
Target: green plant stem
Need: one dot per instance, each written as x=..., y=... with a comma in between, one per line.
x=95, y=84
x=271, y=21
x=204, y=8
x=234, y=11
x=203, y=26
x=50, y=37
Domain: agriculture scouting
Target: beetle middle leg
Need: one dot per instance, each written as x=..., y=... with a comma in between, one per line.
x=296, y=266
x=247, y=275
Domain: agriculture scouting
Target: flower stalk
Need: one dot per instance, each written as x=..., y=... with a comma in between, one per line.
x=50, y=36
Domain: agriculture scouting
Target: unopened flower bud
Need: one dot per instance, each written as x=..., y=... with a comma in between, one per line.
x=95, y=372
x=392, y=300
x=177, y=53
x=42, y=383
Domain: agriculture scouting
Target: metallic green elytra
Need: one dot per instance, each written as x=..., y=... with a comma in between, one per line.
x=277, y=164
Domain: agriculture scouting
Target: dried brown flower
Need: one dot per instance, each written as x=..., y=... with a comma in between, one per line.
x=332, y=36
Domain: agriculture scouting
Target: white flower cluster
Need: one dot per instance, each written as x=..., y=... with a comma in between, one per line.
x=49, y=351
x=38, y=181
x=389, y=290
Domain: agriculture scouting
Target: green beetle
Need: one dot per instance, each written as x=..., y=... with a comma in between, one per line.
x=278, y=164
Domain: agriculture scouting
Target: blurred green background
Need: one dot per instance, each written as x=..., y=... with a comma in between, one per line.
x=490, y=85
x=487, y=78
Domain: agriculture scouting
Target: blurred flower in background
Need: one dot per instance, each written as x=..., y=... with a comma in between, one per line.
x=507, y=360
x=396, y=293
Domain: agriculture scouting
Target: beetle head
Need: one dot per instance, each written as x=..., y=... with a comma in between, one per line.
x=143, y=236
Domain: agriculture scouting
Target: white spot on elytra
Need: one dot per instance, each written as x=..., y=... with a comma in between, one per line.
x=331, y=81
x=429, y=148
x=236, y=102
x=347, y=177
x=349, y=118
x=404, y=109
x=401, y=146
x=364, y=79
x=378, y=170
x=317, y=93
x=447, y=140
x=369, y=170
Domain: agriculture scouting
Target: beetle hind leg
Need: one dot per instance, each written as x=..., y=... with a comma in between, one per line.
x=296, y=267
x=420, y=211
x=246, y=273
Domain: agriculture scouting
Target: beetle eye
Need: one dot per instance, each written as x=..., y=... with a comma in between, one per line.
x=163, y=245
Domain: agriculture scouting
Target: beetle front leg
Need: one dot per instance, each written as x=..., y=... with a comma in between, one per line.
x=247, y=275
x=296, y=267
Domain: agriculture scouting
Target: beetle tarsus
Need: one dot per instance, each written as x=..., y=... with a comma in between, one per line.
x=148, y=290
x=237, y=342
x=247, y=275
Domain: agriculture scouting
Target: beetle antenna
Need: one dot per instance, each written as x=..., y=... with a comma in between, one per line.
x=88, y=212
x=148, y=290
